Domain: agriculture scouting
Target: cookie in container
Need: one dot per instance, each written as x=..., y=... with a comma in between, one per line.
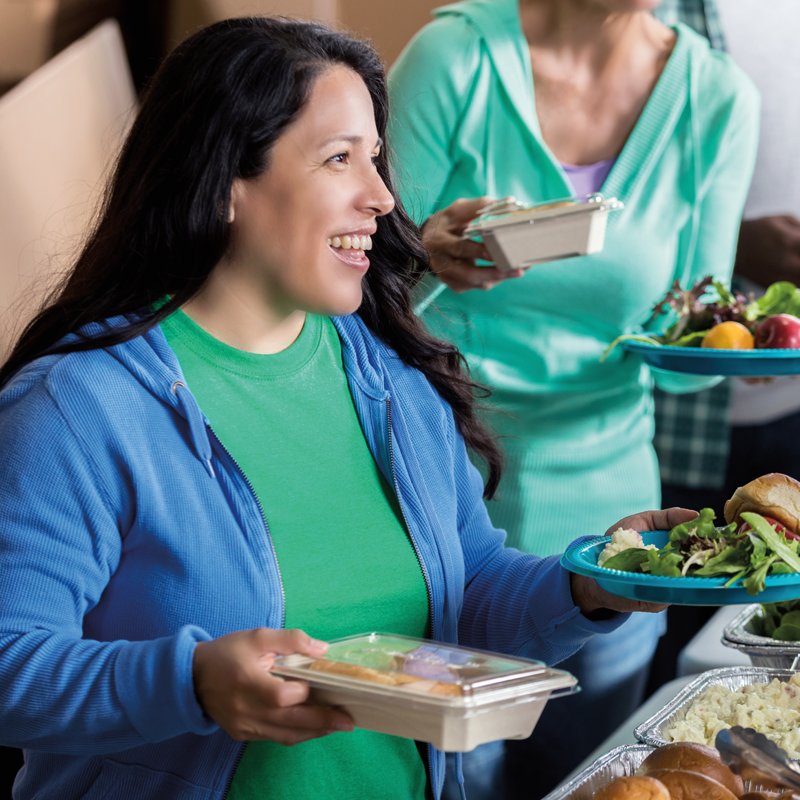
x=777, y=716
x=764, y=651
x=519, y=236
x=453, y=697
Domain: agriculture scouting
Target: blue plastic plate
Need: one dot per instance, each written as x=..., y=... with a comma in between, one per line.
x=705, y=361
x=582, y=560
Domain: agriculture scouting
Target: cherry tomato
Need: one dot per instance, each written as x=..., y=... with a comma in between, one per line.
x=775, y=524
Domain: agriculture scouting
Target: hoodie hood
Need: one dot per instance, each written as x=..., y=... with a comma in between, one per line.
x=153, y=363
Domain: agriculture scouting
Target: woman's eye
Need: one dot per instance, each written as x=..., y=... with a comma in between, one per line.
x=339, y=158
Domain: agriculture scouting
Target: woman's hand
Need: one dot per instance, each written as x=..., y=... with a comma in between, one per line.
x=453, y=258
x=591, y=599
x=234, y=685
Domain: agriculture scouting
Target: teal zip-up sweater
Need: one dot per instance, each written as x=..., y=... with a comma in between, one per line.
x=464, y=125
x=128, y=534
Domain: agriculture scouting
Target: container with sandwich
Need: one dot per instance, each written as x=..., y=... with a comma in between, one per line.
x=518, y=235
x=453, y=697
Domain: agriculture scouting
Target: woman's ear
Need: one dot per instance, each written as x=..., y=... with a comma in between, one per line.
x=236, y=192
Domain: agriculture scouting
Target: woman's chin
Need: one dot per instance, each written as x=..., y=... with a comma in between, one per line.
x=342, y=305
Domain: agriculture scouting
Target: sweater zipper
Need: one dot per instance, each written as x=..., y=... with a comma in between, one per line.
x=280, y=578
x=427, y=760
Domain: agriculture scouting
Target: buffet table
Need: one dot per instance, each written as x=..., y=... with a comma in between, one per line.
x=705, y=651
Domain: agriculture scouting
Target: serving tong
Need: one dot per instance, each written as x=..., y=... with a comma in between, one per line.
x=756, y=758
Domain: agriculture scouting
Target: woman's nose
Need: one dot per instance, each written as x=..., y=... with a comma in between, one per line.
x=377, y=198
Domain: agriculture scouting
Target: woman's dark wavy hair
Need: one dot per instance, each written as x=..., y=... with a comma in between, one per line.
x=210, y=115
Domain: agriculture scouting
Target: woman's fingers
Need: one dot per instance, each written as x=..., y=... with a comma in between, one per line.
x=463, y=276
x=662, y=520
x=453, y=258
x=590, y=598
x=462, y=211
x=235, y=687
x=255, y=719
x=286, y=642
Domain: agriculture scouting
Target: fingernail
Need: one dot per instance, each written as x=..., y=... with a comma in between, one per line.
x=318, y=646
x=296, y=692
x=344, y=725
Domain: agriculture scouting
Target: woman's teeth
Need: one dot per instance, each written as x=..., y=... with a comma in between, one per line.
x=351, y=242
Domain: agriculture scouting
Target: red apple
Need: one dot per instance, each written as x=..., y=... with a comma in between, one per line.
x=781, y=332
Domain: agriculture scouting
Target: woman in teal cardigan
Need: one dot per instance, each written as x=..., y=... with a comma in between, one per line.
x=674, y=126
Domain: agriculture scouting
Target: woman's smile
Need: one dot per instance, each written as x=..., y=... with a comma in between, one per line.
x=350, y=247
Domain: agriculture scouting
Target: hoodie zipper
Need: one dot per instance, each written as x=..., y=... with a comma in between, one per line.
x=280, y=577
x=277, y=566
x=416, y=550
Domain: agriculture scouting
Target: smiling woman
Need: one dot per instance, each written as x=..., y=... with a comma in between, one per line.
x=227, y=433
x=322, y=185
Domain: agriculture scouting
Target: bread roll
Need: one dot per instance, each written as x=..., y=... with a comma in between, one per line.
x=684, y=785
x=634, y=787
x=774, y=495
x=692, y=757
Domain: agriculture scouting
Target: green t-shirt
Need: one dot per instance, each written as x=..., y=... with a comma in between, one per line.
x=345, y=558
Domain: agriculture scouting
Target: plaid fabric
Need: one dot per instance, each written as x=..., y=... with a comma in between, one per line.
x=692, y=436
x=701, y=15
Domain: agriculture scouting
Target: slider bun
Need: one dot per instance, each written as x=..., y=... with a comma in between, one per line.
x=774, y=495
x=684, y=785
x=386, y=677
x=634, y=787
x=693, y=757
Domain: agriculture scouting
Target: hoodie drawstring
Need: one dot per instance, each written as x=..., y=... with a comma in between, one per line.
x=460, y=776
x=197, y=426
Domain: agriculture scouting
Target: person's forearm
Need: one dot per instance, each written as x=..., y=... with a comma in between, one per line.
x=769, y=250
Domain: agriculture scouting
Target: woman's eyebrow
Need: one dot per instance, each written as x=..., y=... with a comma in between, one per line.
x=354, y=139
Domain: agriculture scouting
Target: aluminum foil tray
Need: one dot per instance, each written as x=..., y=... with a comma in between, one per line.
x=652, y=730
x=764, y=651
x=618, y=763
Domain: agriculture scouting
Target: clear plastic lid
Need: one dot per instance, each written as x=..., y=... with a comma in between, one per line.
x=423, y=667
x=510, y=211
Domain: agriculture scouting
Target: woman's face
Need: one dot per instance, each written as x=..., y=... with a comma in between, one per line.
x=299, y=227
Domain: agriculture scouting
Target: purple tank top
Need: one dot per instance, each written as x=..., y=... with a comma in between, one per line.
x=588, y=178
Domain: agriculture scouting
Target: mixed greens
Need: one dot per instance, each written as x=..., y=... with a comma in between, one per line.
x=781, y=621
x=699, y=549
x=710, y=302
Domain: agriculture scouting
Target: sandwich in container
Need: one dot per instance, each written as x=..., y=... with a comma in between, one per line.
x=518, y=235
x=453, y=697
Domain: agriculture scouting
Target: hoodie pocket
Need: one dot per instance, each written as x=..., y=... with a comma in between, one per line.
x=134, y=782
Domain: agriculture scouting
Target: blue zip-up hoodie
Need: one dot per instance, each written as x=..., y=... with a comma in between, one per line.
x=127, y=535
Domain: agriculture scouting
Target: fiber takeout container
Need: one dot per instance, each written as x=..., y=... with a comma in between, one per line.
x=653, y=730
x=527, y=235
x=764, y=651
x=453, y=697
